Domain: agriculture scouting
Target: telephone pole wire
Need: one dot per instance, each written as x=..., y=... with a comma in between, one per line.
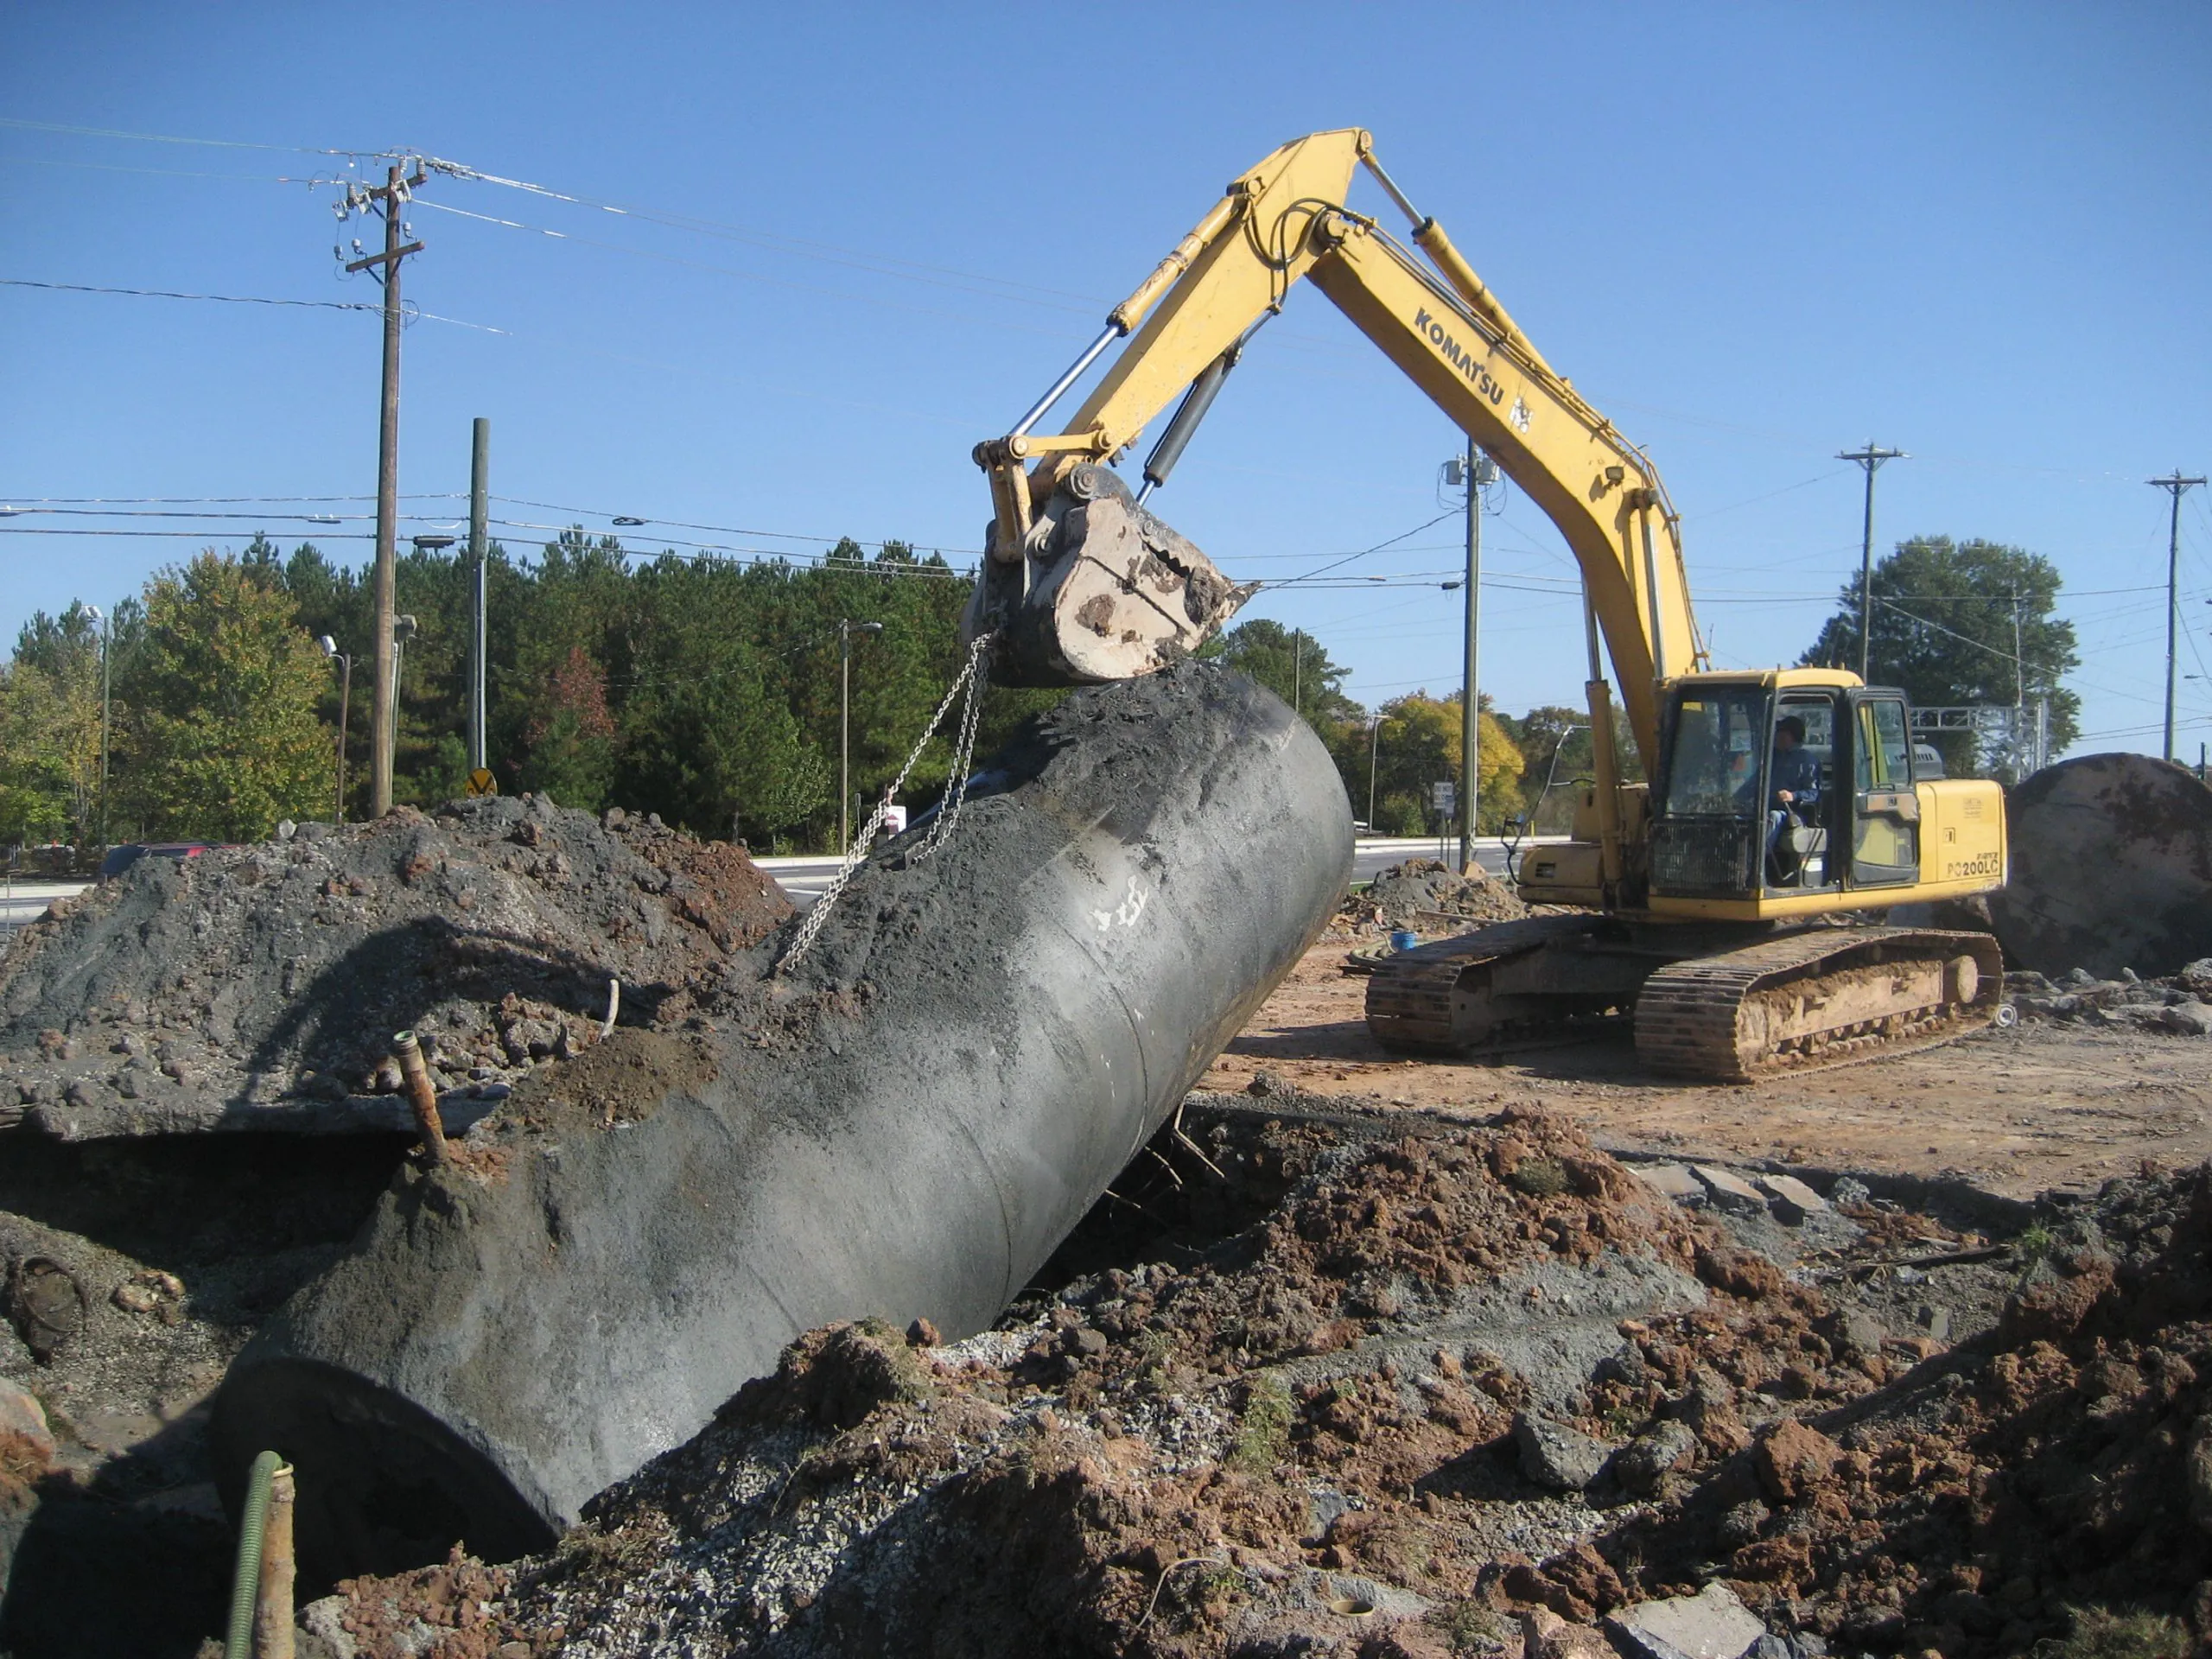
x=1871, y=458
x=2176, y=486
x=387, y=198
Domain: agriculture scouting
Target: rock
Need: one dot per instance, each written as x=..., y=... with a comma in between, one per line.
x=1640, y=1464
x=1671, y=1181
x=148, y=1291
x=1793, y=1459
x=1711, y=1624
x=1792, y=1200
x=921, y=1334
x=325, y=1620
x=1850, y=1194
x=1407, y=1639
x=1860, y=1332
x=1742, y=1523
x=1544, y=1635
x=2196, y=1470
x=2189, y=1018
x=1730, y=1191
x=23, y=1420
x=1556, y=1456
x=2198, y=975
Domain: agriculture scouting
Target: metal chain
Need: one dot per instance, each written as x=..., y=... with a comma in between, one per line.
x=970, y=680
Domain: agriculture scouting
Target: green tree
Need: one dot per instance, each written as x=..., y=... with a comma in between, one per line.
x=1943, y=627
x=1291, y=663
x=50, y=730
x=222, y=738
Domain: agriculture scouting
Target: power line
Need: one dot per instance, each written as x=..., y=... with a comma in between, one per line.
x=166, y=294
x=167, y=138
x=407, y=316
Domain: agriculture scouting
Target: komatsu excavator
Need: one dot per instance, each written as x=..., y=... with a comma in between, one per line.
x=1742, y=932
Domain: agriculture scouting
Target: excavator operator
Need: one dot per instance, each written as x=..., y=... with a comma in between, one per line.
x=1793, y=781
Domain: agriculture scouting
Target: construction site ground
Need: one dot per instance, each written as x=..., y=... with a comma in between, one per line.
x=2015, y=1112
x=1363, y=1355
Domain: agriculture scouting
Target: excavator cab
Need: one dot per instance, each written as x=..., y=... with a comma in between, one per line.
x=1721, y=831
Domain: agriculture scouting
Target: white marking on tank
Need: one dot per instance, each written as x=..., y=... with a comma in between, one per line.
x=1124, y=914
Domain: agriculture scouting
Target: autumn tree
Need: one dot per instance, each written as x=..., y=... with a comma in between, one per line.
x=222, y=738
x=1413, y=742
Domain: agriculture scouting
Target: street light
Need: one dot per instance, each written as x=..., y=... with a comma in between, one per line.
x=846, y=626
x=96, y=614
x=344, y=701
x=1374, y=747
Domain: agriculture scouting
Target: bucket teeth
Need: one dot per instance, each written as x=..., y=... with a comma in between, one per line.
x=1110, y=593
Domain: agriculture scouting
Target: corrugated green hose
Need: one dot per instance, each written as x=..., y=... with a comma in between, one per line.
x=245, y=1586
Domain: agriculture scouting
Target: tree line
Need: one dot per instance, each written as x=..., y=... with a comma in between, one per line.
x=708, y=690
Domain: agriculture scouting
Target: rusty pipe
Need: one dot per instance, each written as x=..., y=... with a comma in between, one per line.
x=423, y=1095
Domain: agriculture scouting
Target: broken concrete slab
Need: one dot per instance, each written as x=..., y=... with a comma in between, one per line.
x=1730, y=1191
x=1794, y=1201
x=1673, y=1182
x=1711, y=1624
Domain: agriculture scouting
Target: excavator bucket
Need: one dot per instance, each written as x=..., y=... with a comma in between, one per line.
x=1103, y=591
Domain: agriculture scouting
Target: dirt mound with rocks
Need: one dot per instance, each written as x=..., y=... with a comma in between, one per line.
x=2054, y=1475
x=1405, y=893
x=2179, y=1004
x=254, y=985
x=1285, y=1438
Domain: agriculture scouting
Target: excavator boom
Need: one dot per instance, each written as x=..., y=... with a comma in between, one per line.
x=1065, y=594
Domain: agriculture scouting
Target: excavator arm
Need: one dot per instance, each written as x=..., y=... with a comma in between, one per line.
x=1085, y=584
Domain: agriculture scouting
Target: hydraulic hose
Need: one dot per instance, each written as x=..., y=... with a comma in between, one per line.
x=245, y=1583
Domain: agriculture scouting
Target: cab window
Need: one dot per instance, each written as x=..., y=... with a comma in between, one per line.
x=1718, y=751
x=1884, y=757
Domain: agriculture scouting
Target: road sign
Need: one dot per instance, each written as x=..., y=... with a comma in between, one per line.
x=481, y=782
x=1444, y=797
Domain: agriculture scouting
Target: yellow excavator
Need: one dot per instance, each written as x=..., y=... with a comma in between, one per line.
x=1738, y=919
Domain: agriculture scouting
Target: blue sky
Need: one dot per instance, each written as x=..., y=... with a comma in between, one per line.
x=1753, y=235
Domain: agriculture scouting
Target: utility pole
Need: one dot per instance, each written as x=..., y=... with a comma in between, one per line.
x=1297, y=671
x=107, y=637
x=1479, y=471
x=386, y=199
x=845, y=627
x=2175, y=485
x=1871, y=458
x=479, y=483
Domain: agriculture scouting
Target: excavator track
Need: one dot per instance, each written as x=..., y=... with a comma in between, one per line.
x=1829, y=996
x=1410, y=999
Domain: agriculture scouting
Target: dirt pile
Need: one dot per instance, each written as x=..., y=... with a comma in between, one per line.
x=2057, y=1470
x=250, y=983
x=1422, y=889
x=2178, y=1004
x=1280, y=1440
